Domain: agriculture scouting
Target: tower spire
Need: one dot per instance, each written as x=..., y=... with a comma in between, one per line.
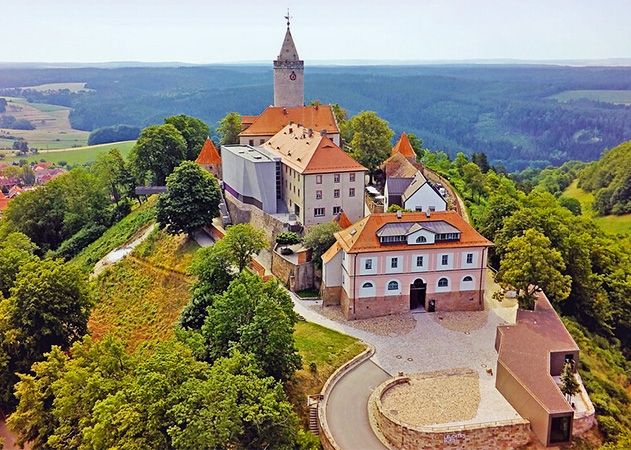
x=288, y=17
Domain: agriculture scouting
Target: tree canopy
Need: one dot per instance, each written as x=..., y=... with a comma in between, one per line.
x=243, y=242
x=371, y=143
x=191, y=201
x=319, y=239
x=229, y=128
x=158, y=151
x=194, y=132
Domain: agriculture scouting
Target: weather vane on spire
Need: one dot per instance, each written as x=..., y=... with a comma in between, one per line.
x=288, y=17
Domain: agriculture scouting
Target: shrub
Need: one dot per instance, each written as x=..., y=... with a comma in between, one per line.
x=80, y=240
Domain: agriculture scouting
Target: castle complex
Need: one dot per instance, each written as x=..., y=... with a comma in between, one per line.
x=289, y=171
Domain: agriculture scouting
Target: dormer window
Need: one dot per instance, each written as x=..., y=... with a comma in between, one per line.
x=421, y=240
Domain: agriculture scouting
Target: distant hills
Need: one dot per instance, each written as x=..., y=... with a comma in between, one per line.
x=510, y=112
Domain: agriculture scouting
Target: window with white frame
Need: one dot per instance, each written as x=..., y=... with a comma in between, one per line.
x=444, y=260
x=351, y=192
x=393, y=285
x=318, y=212
x=419, y=261
x=336, y=177
x=443, y=282
x=469, y=258
x=352, y=177
x=421, y=239
x=336, y=193
x=318, y=195
x=394, y=263
x=368, y=264
x=318, y=179
x=337, y=209
x=467, y=279
x=367, y=289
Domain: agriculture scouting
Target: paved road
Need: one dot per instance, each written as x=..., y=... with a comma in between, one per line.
x=347, y=409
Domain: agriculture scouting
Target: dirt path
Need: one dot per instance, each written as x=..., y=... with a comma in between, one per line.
x=119, y=253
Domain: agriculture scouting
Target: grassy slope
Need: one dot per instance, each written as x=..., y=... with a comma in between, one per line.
x=78, y=155
x=611, y=223
x=607, y=377
x=326, y=348
x=140, y=301
x=116, y=236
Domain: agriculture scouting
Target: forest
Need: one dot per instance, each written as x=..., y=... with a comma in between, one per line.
x=506, y=111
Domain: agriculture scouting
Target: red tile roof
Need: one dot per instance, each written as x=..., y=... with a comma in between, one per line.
x=4, y=201
x=342, y=220
x=274, y=118
x=362, y=236
x=308, y=152
x=398, y=166
x=525, y=348
x=404, y=147
x=246, y=121
x=209, y=154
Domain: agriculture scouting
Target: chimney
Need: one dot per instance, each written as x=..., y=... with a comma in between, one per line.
x=291, y=130
x=323, y=132
x=285, y=111
x=310, y=132
x=399, y=214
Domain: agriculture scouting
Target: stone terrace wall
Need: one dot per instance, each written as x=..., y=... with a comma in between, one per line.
x=243, y=213
x=497, y=435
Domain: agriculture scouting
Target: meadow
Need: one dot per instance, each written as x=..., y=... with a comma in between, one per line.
x=612, y=223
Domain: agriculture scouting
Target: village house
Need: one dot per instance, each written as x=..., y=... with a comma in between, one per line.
x=406, y=185
x=390, y=263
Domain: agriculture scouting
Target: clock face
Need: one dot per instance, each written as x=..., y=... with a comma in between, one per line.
x=292, y=77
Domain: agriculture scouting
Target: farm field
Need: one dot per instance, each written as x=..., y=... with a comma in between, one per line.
x=618, y=97
x=72, y=87
x=77, y=155
x=612, y=224
x=52, y=126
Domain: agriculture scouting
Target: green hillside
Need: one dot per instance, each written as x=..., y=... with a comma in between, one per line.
x=610, y=223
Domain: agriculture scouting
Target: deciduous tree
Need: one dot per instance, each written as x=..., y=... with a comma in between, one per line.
x=243, y=242
x=531, y=264
x=191, y=201
x=229, y=128
x=159, y=150
x=194, y=132
x=371, y=143
x=319, y=239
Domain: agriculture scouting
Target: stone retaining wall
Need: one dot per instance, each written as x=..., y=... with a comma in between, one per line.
x=326, y=438
x=295, y=276
x=243, y=213
x=397, y=435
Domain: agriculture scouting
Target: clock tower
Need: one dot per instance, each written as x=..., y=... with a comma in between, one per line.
x=289, y=85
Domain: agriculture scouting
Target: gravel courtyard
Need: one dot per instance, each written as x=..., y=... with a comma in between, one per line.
x=435, y=398
x=457, y=341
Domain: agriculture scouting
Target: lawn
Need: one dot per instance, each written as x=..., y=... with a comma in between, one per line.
x=116, y=236
x=612, y=224
x=328, y=350
x=79, y=155
x=601, y=95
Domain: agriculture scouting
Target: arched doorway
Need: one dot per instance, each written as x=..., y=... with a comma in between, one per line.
x=418, y=291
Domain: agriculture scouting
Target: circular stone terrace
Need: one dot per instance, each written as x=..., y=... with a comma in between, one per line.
x=434, y=398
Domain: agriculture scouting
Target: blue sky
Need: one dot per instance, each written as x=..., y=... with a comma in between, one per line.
x=245, y=30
